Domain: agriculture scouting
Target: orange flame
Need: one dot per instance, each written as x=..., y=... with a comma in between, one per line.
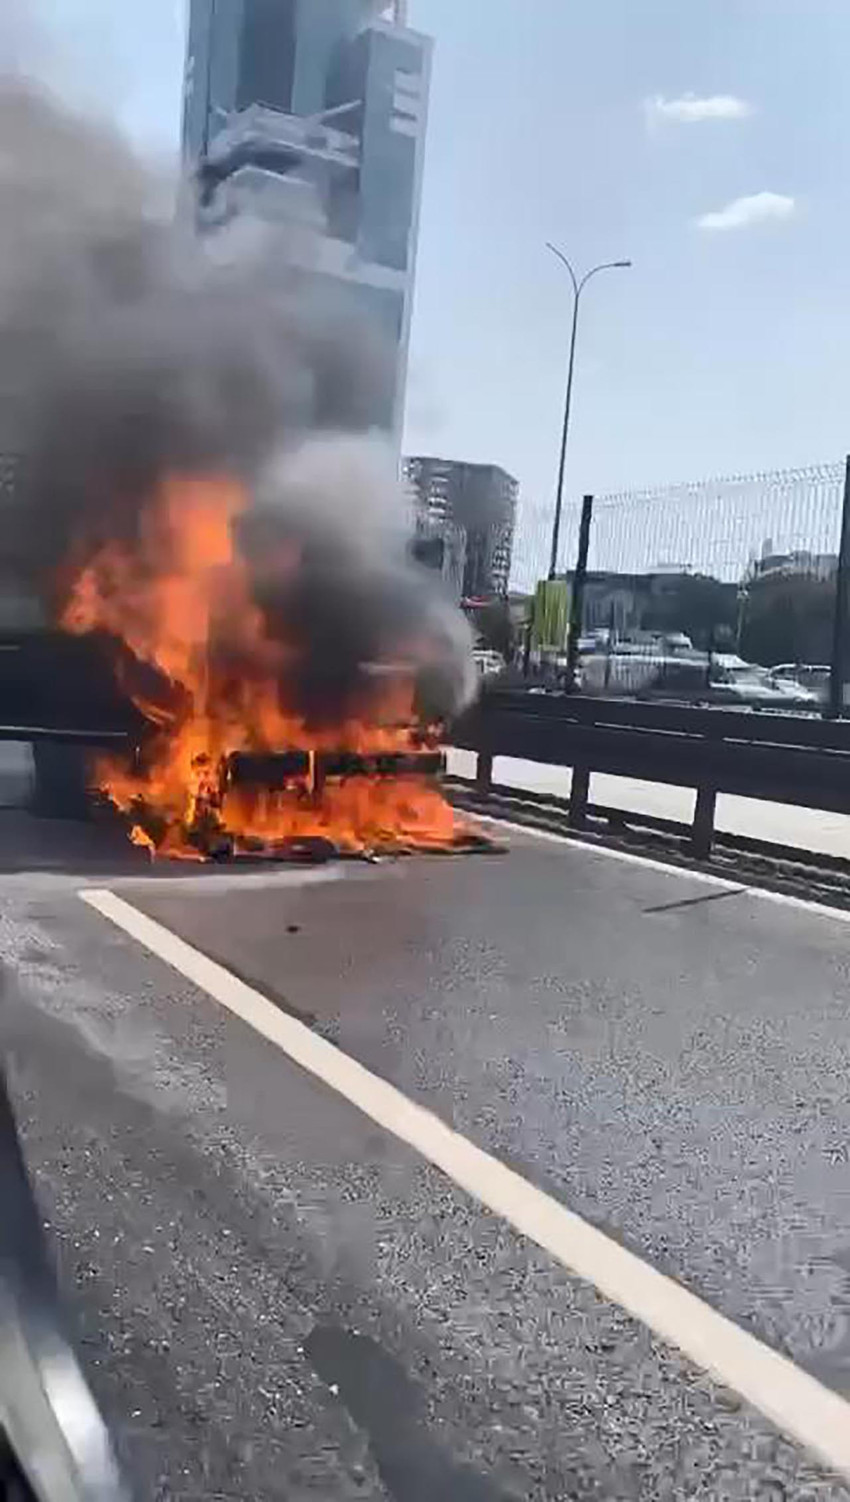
x=140, y=837
x=175, y=595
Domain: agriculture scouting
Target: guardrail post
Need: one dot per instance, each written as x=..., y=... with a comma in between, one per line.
x=838, y=673
x=484, y=772
x=579, y=794
x=702, y=829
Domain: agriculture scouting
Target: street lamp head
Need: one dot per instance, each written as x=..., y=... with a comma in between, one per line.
x=622, y=265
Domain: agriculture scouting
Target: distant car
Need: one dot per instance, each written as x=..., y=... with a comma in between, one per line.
x=734, y=681
x=488, y=663
x=690, y=677
x=640, y=674
x=815, y=677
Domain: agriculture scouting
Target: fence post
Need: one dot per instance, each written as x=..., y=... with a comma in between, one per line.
x=526, y=646
x=609, y=645
x=577, y=598
x=838, y=670
x=709, y=666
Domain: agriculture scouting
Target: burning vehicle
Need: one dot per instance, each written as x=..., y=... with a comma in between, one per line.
x=210, y=526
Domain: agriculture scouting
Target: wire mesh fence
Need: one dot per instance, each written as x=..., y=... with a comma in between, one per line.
x=713, y=527
x=717, y=591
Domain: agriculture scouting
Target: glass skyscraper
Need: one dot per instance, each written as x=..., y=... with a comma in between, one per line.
x=316, y=110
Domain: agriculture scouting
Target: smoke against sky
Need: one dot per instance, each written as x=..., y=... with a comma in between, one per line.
x=718, y=353
x=143, y=351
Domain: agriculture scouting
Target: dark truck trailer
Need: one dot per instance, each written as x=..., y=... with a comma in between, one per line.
x=70, y=696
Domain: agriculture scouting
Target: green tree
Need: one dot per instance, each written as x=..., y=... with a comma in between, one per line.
x=495, y=627
x=704, y=608
x=788, y=618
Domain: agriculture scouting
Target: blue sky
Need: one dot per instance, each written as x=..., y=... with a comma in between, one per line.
x=724, y=349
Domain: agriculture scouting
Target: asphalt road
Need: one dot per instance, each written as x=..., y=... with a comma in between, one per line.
x=276, y=1299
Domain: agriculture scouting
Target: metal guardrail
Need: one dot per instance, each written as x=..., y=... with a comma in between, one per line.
x=792, y=759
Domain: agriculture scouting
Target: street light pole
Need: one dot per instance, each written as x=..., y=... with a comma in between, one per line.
x=578, y=288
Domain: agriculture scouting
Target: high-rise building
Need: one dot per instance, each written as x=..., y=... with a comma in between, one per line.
x=315, y=111
x=479, y=498
x=275, y=53
x=441, y=547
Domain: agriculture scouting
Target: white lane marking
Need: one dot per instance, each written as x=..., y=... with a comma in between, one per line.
x=803, y=904
x=800, y=1406
x=219, y=881
x=631, y=858
x=576, y=843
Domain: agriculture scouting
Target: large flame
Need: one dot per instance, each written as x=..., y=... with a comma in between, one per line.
x=179, y=596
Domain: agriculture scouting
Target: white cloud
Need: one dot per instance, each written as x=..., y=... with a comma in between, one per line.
x=690, y=109
x=755, y=208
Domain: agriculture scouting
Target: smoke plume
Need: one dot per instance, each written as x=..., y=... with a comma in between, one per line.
x=136, y=348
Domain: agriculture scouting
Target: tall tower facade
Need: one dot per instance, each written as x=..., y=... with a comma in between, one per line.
x=316, y=111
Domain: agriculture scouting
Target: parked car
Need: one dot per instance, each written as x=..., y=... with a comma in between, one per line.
x=488, y=663
x=812, y=676
x=692, y=678
x=734, y=681
x=641, y=674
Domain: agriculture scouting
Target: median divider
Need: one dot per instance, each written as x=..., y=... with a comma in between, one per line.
x=795, y=759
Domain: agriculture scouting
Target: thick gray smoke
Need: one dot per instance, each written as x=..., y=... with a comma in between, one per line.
x=135, y=347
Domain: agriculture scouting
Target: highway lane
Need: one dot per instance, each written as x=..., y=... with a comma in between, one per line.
x=279, y=1300
x=668, y=1057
